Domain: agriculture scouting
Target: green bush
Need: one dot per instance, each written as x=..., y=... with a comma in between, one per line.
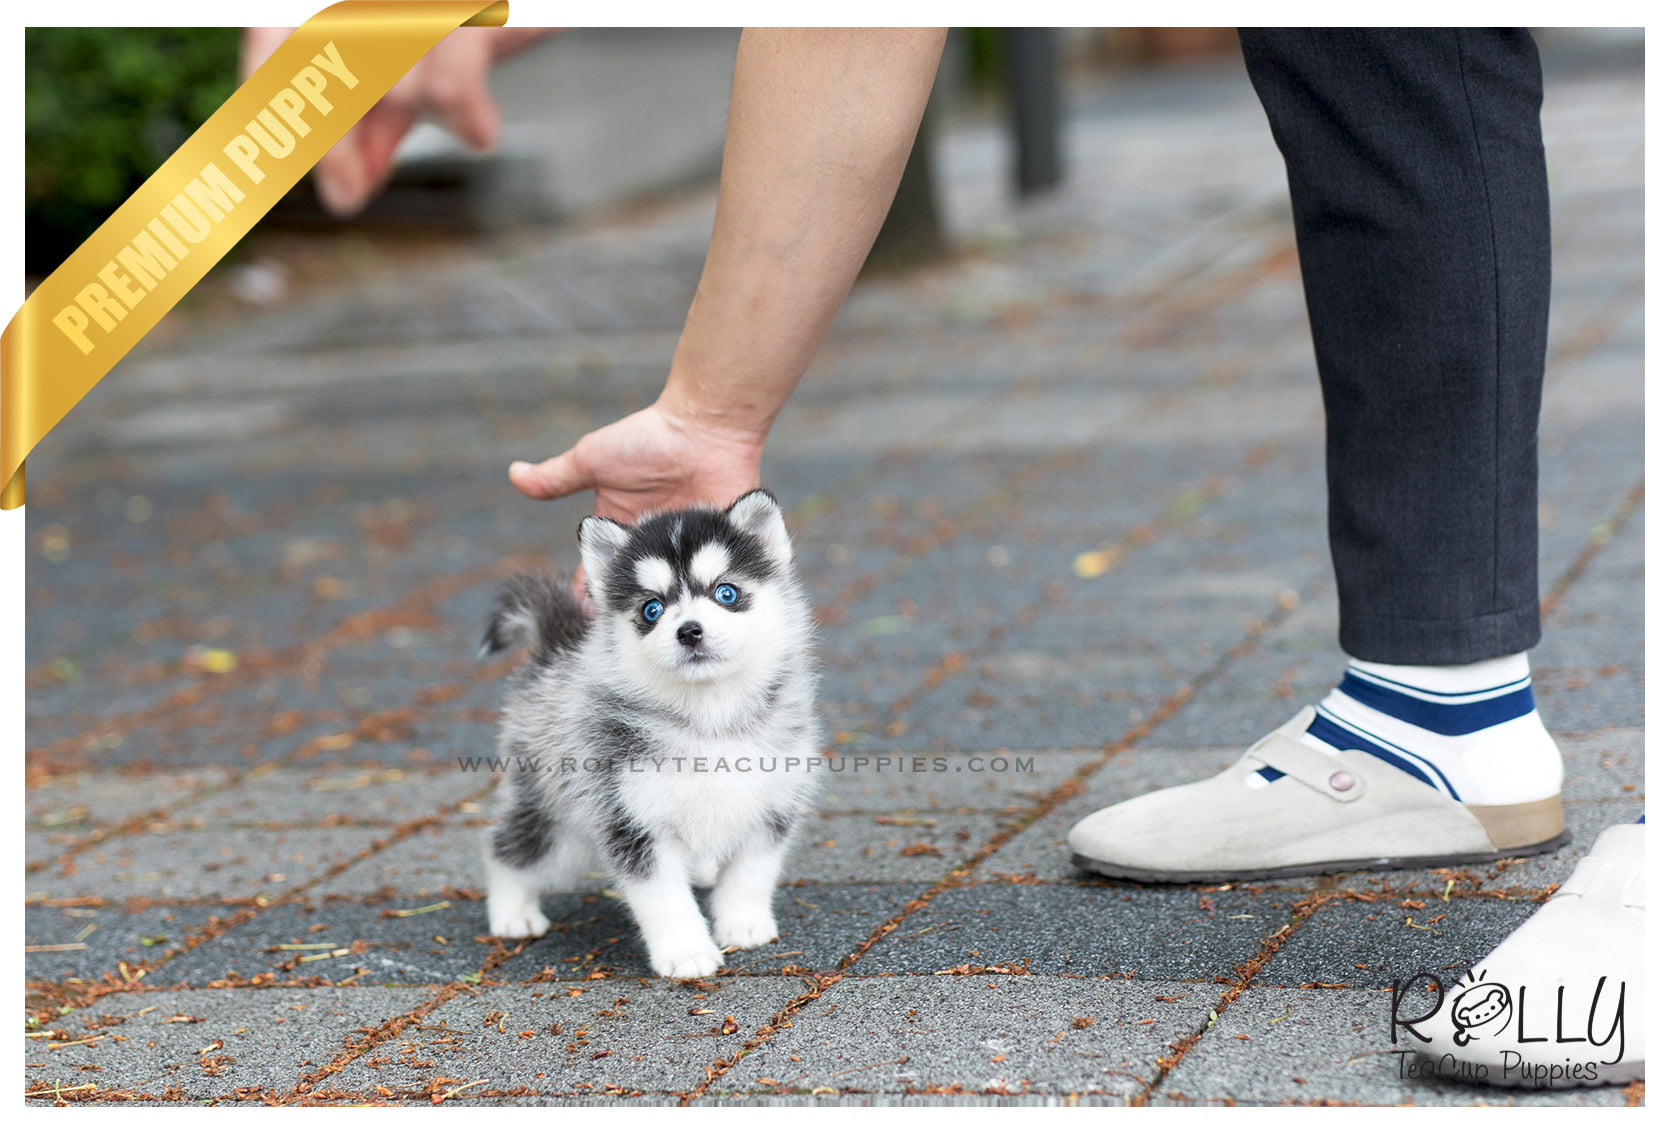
x=103, y=107
x=986, y=56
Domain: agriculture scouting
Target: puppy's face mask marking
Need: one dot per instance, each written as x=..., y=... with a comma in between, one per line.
x=692, y=598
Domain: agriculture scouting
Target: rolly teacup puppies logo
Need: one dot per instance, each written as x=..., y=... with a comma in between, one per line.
x=1501, y=1033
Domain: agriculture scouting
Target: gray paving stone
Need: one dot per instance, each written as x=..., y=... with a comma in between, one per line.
x=246, y=740
x=1152, y=933
x=1039, y=852
x=827, y=923
x=1275, y=679
x=222, y=863
x=1607, y=765
x=1320, y=1045
x=586, y=1100
x=1584, y=698
x=1376, y=944
x=362, y=943
x=906, y=783
x=434, y=860
x=267, y=1038
x=870, y=1099
x=44, y=851
x=1589, y=488
x=856, y=848
x=1234, y=720
x=964, y=715
x=650, y=1041
x=113, y=935
x=1011, y=1034
x=312, y=798
x=93, y=800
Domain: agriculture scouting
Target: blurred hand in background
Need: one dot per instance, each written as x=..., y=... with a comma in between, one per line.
x=448, y=85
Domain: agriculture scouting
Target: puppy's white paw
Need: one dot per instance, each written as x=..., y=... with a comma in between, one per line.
x=693, y=960
x=527, y=921
x=744, y=931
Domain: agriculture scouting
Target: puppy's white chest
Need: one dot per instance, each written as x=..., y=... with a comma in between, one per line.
x=718, y=788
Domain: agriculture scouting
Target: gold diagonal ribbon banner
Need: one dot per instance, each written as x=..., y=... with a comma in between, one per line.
x=100, y=301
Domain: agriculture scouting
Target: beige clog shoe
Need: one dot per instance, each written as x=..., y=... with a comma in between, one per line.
x=1327, y=813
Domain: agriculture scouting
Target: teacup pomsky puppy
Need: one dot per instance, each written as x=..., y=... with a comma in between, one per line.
x=668, y=738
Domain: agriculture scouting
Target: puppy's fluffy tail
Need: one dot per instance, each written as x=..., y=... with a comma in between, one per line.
x=536, y=610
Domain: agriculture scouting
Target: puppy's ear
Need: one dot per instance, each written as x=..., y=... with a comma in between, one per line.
x=601, y=540
x=757, y=513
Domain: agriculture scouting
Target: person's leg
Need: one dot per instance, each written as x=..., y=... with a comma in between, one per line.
x=1415, y=164
x=1421, y=210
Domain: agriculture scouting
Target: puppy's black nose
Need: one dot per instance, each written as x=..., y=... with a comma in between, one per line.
x=690, y=634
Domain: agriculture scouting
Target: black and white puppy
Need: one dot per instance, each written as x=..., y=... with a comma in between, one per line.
x=668, y=739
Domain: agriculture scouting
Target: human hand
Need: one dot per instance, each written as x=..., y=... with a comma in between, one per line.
x=649, y=461
x=448, y=84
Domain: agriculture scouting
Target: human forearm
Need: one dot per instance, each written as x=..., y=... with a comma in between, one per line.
x=820, y=126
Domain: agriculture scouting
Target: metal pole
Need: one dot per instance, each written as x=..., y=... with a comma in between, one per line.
x=1036, y=108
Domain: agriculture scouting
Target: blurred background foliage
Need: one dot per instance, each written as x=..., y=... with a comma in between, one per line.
x=986, y=56
x=103, y=107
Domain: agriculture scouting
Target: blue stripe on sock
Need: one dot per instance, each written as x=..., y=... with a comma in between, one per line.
x=1446, y=720
x=1376, y=677
x=1333, y=733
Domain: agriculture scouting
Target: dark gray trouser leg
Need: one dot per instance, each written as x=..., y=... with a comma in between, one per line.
x=1421, y=208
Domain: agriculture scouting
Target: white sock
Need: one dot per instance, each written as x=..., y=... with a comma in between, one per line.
x=1470, y=731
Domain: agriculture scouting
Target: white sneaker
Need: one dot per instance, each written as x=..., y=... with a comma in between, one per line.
x=1560, y=1002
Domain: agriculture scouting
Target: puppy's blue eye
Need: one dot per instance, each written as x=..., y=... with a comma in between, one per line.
x=725, y=594
x=652, y=610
